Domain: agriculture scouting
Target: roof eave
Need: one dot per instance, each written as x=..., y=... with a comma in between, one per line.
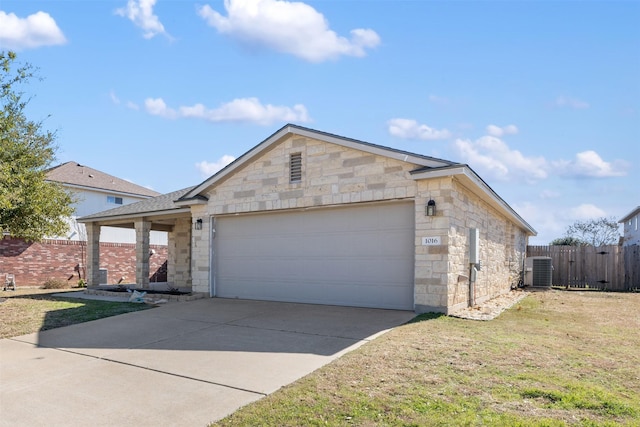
x=101, y=190
x=136, y=215
x=630, y=215
x=192, y=201
x=467, y=174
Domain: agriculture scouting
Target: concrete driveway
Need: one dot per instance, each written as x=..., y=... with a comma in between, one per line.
x=183, y=364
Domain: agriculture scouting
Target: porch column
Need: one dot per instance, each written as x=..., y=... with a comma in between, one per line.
x=93, y=253
x=179, y=254
x=143, y=229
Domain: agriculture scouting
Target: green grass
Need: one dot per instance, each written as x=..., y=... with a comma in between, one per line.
x=31, y=310
x=556, y=359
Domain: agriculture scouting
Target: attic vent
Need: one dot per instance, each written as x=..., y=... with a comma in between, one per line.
x=295, y=167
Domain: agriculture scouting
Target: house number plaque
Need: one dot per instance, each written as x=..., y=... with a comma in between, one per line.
x=431, y=241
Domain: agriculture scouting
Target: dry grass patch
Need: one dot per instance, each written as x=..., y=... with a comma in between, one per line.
x=557, y=358
x=25, y=311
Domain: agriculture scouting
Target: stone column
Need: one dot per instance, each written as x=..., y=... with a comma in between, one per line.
x=179, y=253
x=93, y=254
x=143, y=229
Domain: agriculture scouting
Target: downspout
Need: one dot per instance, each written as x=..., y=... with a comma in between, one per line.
x=212, y=275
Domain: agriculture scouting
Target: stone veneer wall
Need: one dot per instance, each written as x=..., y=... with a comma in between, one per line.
x=200, y=251
x=502, y=249
x=179, y=254
x=432, y=262
x=332, y=175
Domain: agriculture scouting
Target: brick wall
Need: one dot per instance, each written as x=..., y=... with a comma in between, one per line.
x=34, y=263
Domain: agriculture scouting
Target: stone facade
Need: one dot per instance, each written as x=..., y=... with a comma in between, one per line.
x=502, y=248
x=329, y=172
x=332, y=175
x=335, y=175
x=179, y=253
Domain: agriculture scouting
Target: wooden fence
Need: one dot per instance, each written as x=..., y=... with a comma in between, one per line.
x=613, y=268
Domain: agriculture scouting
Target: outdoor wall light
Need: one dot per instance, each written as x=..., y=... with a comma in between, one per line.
x=430, y=209
x=198, y=224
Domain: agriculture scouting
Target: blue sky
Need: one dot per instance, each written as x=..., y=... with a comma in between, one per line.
x=541, y=99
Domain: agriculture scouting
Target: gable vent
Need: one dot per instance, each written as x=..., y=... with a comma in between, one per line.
x=295, y=167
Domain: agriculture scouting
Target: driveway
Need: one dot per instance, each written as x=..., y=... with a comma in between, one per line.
x=182, y=364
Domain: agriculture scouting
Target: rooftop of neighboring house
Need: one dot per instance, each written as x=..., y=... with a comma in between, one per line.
x=76, y=175
x=630, y=215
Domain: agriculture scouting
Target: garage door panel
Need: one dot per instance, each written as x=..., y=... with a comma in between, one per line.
x=360, y=256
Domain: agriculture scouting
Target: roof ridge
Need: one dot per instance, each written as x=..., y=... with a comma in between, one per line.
x=76, y=174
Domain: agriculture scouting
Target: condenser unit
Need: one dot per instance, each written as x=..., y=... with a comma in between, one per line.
x=538, y=271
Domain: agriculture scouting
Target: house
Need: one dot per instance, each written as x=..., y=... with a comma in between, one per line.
x=97, y=191
x=308, y=216
x=631, y=234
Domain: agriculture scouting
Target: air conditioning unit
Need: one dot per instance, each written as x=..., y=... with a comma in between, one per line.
x=538, y=271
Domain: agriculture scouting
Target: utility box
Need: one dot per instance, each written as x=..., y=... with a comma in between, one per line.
x=103, y=276
x=474, y=246
x=538, y=271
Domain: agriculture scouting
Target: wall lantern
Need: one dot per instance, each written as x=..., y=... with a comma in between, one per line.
x=430, y=209
x=198, y=224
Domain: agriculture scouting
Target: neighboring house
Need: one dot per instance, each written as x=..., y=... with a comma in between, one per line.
x=307, y=216
x=97, y=191
x=631, y=234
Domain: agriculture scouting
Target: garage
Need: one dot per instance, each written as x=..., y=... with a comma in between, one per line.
x=360, y=255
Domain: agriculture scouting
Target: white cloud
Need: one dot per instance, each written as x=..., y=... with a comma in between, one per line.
x=114, y=98
x=249, y=110
x=492, y=156
x=552, y=222
x=157, y=107
x=289, y=27
x=586, y=211
x=140, y=12
x=589, y=164
x=411, y=129
x=36, y=30
x=116, y=101
x=498, y=131
x=209, y=168
x=566, y=101
x=549, y=194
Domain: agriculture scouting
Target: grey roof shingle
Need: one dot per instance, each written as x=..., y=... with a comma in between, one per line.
x=164, y=202
x=73, y=173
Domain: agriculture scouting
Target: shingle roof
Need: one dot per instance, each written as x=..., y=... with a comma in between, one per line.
x=162, y=203
x=73, y=173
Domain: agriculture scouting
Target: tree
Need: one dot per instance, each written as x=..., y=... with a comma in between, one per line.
x=567, y=241
x=30, y=207
x=595, y=232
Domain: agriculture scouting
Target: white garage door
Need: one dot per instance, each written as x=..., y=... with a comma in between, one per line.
x=356, y=256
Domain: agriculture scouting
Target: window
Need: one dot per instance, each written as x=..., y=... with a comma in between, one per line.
x=114, y=200
x=295, y=167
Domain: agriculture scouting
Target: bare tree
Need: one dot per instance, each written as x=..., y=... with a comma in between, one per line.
x=595, y=232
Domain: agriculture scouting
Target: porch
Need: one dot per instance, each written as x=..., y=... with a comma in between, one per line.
x=156, y=214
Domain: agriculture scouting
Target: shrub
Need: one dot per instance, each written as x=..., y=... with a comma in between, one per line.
x=82, y=283
x=55, y=284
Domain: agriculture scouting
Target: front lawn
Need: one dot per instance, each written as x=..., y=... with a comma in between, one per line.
x=556, y=359
x=31, y=310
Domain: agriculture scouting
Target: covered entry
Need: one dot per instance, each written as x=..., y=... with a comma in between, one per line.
x=356, y=256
